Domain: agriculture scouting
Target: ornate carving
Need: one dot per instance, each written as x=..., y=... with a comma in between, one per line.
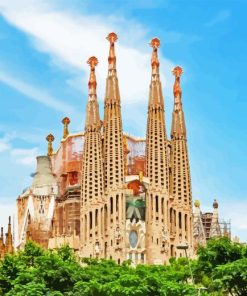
x=164, y=241
x=112, y=38
x=97, y=248
x=155, y=43
x=92, y=84
x=118, y=237
x=177, y=72
x=50, y=138
x=65, y=122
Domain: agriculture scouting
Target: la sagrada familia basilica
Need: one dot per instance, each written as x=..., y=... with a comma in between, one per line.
x=111, y=195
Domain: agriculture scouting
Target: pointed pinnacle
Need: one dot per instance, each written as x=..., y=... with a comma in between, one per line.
x=155, y=43
x=177, y=72
x=112, y=38
x=92, y=83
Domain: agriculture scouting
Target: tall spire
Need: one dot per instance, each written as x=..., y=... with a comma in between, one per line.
x=156, y=147
x=155, y=93
x=92, y=117
x=112, y=89
x=113, y=132
x=180, y=188
x=156, y=165
x=113, y=160
x=92, y=185
x=178, y=129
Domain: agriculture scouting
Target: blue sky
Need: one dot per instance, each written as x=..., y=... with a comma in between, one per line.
x=43, y=77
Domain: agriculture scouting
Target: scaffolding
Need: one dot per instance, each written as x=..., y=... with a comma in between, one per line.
x=212, y=228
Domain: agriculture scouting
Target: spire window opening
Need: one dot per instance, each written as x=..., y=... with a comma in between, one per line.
x=157, y=204
x=180, y=220
x=111, y=205
x=90, y=220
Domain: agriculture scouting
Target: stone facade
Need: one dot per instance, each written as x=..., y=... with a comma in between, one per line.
x=108, y=194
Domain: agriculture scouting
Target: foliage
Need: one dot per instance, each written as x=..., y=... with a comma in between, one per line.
x=221, y=267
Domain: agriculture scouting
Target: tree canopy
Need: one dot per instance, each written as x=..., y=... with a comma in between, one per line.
x=221, y=267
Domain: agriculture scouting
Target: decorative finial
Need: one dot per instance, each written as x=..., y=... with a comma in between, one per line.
x=155, y=43
x=197, y=203
x=92, y=84
x=9, y=220
x=215, y=204
x=50, y=138
x=112, y=38
x=1, y=232
x=65, y=122
x=92, y=62
x=177, y=72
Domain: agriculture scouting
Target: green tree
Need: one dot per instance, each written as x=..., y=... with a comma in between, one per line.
x=221, y=267
x=231, y=277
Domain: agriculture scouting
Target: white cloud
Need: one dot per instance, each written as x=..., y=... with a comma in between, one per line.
x=22, y=156
x=70, y=38
x=25, y=156
x=4, y=145
x=222, y=16
x=35, y=94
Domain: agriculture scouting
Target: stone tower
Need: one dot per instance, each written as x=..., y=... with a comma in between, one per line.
x=156, y=169
x=92, y=191
x=181, y=199
x=113, y=162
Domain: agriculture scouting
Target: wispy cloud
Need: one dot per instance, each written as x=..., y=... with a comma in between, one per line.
x=222, y=16
x=35, y=94
x=71, y=37
x=4, y=145
x=26, y=157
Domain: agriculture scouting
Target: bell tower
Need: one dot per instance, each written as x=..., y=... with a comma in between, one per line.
x=113, y=162
x=181, y=196
x=92, y=191
x=156, y=168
